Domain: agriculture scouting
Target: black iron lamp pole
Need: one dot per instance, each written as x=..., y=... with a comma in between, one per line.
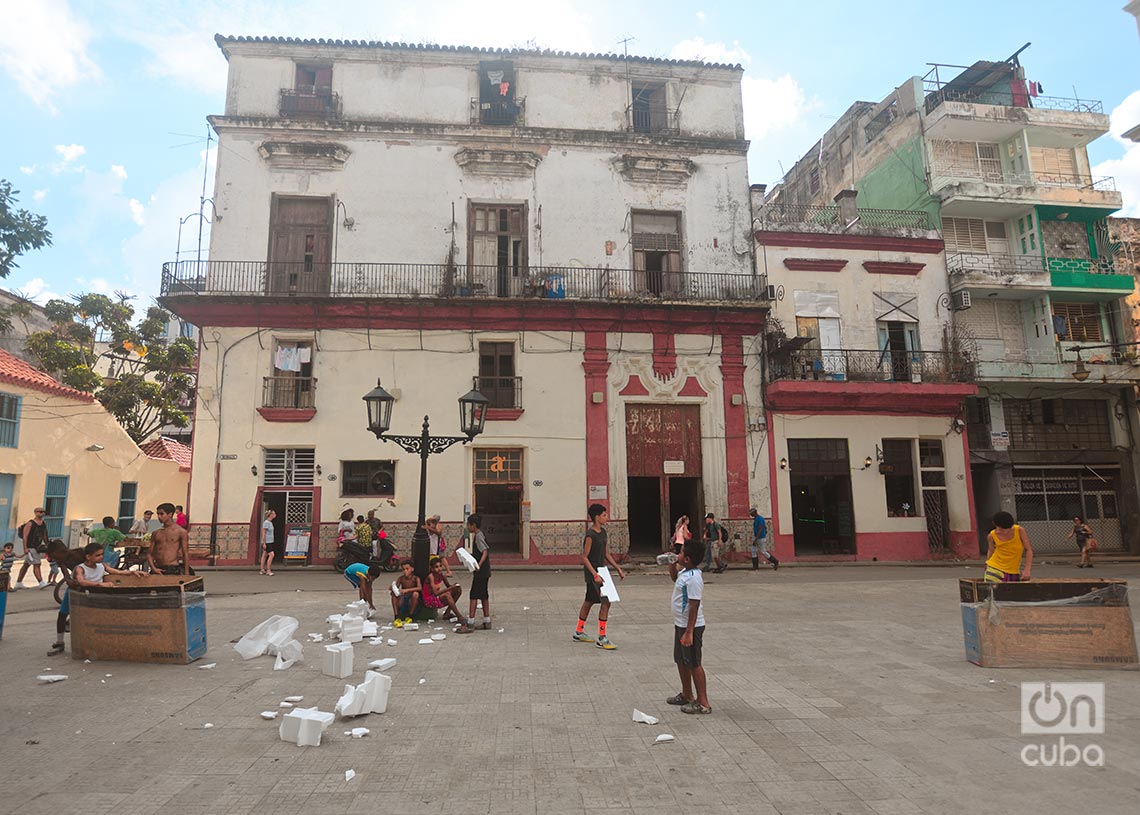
x=472, y=415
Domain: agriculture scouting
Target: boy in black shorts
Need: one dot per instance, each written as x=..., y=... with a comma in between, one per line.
x=481, y=551
x=689, y=629
x=594, y=556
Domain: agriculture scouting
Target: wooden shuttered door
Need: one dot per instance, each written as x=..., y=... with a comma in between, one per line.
x=965, y=235
x=300, y=248
x=657, y=250
x=1056, y=164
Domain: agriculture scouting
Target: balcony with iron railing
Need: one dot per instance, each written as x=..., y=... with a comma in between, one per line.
x=504, y=113
x=224, y=278
x=872, y=366
x=653, y=120
x=975, y=269
x=937, y=96
x=310, y=102
x=289, y=392
x=781, y=216
x=501, y=391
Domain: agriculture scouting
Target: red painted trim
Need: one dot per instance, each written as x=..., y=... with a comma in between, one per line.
x=735, y=425
x=889, y=398
x=504, y=414
x=596, y=364
x=692, y=388
x=500, y=315
x=634, y=387
x=664, y=355
x=287, y=414
x=885, y=267
x=814, y=264
x=773, y=492
x=828, y=240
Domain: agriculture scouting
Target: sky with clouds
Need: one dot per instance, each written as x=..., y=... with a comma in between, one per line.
x=111, y=96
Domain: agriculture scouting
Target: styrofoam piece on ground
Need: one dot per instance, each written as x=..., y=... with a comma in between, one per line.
x=207, y=726
x=384, y=628
x=358, y=609
x=664, y=737
x=395, y=589
x=316, y=637
x=526, y=608
x=608, y=590
x=349, y=775
x=467, y=559
x=643, y=718
x=267, y=637
x=422, y=680
x=382, y=664
x=304, y=726
x=426, y=641
x=412, y=627
x=49, y=678
x=369, y=629
x=501, y=630
x=370, y=696
x=393, y=642
x=337, y=660
x=438, y=637
x=207, y=666
x=376, y=641
x=269, y=714
x=288, y=654
x=357, y=732
x=294, y=699
x=352, y=630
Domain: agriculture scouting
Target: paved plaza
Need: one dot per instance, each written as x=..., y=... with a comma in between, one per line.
x=835, y=690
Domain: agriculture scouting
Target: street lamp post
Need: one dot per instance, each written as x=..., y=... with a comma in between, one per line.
x=472, y=416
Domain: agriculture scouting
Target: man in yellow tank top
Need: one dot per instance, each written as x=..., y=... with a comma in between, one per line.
x=1008, y=542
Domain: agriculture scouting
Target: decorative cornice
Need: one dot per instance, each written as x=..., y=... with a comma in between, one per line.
x=304, y=155
x=814, y=264
x=872, y=243
x=654, y=169
x=514, y=163
x=884, y=267
x=287, y=414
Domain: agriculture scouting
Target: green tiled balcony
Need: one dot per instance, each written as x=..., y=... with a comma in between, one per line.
x=1082, y=273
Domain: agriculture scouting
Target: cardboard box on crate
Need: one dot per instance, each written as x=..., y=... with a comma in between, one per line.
x=1063, y=623
x=140, y=619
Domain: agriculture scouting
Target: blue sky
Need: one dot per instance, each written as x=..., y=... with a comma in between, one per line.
x=109, y=97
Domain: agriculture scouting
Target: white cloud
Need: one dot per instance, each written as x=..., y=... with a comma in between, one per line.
x=70, y=152
x=138, y=211
x=28, y=170
x=43, y=47
x=701, y=17
x=39, y=195
x=771, y=104
x=697, y=49
x=119, y=170
x=1126, y=169
x=36, y=290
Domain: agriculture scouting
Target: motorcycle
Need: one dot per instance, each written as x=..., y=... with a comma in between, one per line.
x=350, y=551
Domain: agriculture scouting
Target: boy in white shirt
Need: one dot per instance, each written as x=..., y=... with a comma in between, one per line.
x=689, y=628
x=92, y=570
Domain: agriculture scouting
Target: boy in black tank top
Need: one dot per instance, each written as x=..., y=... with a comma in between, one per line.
x=594, y=556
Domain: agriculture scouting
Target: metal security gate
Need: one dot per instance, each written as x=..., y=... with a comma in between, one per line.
x=1047, y=500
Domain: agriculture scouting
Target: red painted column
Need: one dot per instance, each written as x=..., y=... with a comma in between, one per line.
x=596, y=363
x=735, y=425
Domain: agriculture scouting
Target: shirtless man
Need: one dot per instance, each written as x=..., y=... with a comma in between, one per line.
x=169, y=551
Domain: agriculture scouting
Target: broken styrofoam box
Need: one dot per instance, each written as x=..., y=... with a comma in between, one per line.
x=269, y=714
x=369, y=629
x=395, y=589
x=352, y=629
x=382, y=664
x=294, y=699
x=643, y=718
x=466, y=559
x=337, y=660
x=267, y=637
x=370, y=696
x=285, y=704
x=426, y=641
x=359, y=608
x=288, y=654
x=49, y=678
x=393, y=642
x=608, y=590
x=304, y=726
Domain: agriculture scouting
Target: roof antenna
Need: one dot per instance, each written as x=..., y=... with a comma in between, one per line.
x=624, y=43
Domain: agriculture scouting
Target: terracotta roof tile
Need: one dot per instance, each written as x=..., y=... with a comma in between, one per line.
x=168, y=449
x=15, y=371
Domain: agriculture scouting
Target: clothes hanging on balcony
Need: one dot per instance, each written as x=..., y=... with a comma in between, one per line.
x=288, y=358
x=495, y=77
x=504, y=88
x=1060, y=326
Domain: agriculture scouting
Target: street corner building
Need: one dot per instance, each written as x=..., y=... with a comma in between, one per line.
x=1036, y=307
x=569, y=234
x=61, y=450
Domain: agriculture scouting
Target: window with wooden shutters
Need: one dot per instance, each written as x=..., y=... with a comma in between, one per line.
x=497, y=380
x=657, y=252
x=497, y=248
x=289, y=467
x=1081, y=321
x=1053, y=165
x=9, y=420
x=965, y=235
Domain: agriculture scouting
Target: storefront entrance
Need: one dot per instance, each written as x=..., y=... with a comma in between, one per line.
x=498, y=497
x=823, y=521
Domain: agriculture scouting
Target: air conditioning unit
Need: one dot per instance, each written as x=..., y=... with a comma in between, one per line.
x=960, y=300
x=771, y=292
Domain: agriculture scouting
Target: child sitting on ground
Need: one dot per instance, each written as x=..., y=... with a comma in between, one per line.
x=438, y=593
x=361, y=575
x=404, y=605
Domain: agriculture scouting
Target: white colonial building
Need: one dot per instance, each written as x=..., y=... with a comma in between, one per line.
x=571, y=234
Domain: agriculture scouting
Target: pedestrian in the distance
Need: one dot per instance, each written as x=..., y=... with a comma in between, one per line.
x=180, y=518
x=714, y=536
x=681, y=534
x=267, y=537
x=34, y=535
x=689, y=630
x=594, y=556
x=761, y=543
x=480, y=580
x=1008, y=542
x=108, y=537
x=1085, y=541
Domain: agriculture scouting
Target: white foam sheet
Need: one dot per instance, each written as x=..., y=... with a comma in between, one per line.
x=467, y=559
x=608, y=589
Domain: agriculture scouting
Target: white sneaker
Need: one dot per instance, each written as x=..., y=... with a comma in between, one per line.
x=43, y=584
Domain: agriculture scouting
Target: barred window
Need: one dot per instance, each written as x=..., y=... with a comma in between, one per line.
x=1058, y=424
x=498, y=466
x=289, y=467
x=1081, y=321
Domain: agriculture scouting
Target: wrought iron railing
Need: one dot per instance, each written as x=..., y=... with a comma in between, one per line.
x=1085, y=265
x=502, y=113
x=997, y=266
x=310, y=102
x=1080, y=182
x=980, y=171
x=288, y=392
x=653, y=120
x=435, y=280
x=829, y=216
x=872, y=366
x=501, y=391
x=1005, y=98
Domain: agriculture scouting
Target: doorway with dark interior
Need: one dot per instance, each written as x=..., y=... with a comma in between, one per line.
x=274, y=501
x=685, y=499
x=822, y=514
x=645, y=515
x=501, y=505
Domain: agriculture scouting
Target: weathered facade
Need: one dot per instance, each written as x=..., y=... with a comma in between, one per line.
x=568, y=233
x=1036, y=292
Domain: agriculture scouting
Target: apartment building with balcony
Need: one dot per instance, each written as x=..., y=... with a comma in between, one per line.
x=568, y=233
x=1037, y=293
x=865, y=385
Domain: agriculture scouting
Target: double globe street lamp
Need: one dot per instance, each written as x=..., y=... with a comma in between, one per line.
x=472, y=416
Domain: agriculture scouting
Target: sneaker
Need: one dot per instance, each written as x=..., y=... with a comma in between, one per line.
x=43, y=584
x=605, y=644
x=695, y=707
x=399, y=623
x=582, y=636
x=56, y=648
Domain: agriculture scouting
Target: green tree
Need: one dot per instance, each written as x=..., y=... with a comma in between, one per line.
x=96, y=346
x=20, y=230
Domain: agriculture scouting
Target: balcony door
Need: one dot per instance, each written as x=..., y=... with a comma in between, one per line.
x=657, y=253
x=300, y=246
x=496, y=249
